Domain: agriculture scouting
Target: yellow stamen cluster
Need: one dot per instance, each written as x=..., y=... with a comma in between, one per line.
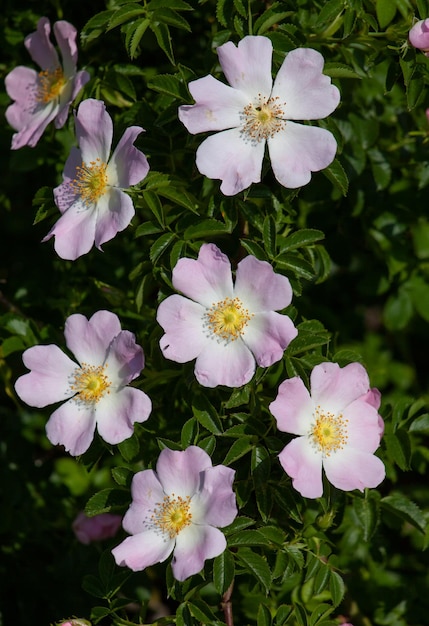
x=90, y=181
x=172, y=515
x=329, y=432
x=51, y=84
x=227, y=319
x=263, y=119
x=90, y=383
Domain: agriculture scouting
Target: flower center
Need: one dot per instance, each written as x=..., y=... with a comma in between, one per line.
x=90, y=181
x=90, y=383
x=51, y=84
x=172, y=515
x=226, y=320
x=329, y=432
x=262, y=119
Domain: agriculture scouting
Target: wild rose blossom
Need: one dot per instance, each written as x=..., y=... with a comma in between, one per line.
x=95, y=389
x=179, y=508
x=94, y=208
x=41, y=97
x=252, y=112
x=225, y=327
x=338, y=428
x=419, y=36
x=96, y=528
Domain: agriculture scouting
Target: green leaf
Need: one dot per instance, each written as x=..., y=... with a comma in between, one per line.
x=169, y=84
x=129, y=448
x=163, y=37
x=238, y=449
x=367, y=510
x=107, y=500
x=306, y=341
x=180, y=196
x=385, y=11
x=330, y=11
x=295, y=263
x=337, y=588
x=155, y=205
x=223, y=571
x=204, y=229
x=160, y=246
x=124, y=14
x=270, y=235
x=300, y=239
x=398, y=310
x=272, y=16
x=206, y=414
x=92, y=585
x=256, y=566
x=264, y=616
x=399, y=448
x=248, y=538
x=189, y=433
x=171, y=17
x=135, y=32
x=122, y=476
x=283, y=614
x=201, y=611
x=337, y=175
x=405, y=509
x=96, y=25
x=254, y=248
x=177, y=5
x=339, y=70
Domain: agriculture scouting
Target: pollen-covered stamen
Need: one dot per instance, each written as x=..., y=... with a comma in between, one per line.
x=329, y=431
x=90, y=383
x=171, y=515
x=263, y=119
x=226, y=319
x=50, y=85
x=91, y=181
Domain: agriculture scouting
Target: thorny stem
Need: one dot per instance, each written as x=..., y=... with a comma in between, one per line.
x=226, y=605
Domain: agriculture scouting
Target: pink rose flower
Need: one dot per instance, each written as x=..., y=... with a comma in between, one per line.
x=94, y=208
x=41, y=97
x=252, y=112
x=419, y=36
x=96, y=389
x=179, y=508
x=226, y=327
x=338, y=428
x=97, y=528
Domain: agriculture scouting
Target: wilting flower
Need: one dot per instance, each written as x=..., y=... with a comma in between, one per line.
x=179, y=508
x=94, y=208
x=339, y=429
x=226, y=327
x=47, y=95
x=419, y=36
x=96, y=388
x=96, y=528
x=253, y=112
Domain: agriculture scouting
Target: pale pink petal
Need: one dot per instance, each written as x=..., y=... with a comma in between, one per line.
x=373, y=397
x=229, y=364
x=128, y=165
x=115, y=212
x=72, y=425
x=89, y=340
x=65, y=34
x=40, y=46
x=247, y=66
x=96, y=528
x=307, y=93
x=259, y=287
x=65, y=194
x=147, y=493
x=21, y=85
x=94, y=130
x=218, y=106
x=184, y=336
x=30, y=122
x=79, y=80
x=419, y=35
x=215, y=502
x=293, y=407
x=179, y=471
x=117, y=412
x=304, y=465
x=48, y=380
x=142, y=550
x=194, y=545
x=268, y=335
x=298, y=150
x=206, y=280
x=74, y=231
x=125, y=359
x=362, y=426
x=350, y=469
x=232, y=158
x=333, y=387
